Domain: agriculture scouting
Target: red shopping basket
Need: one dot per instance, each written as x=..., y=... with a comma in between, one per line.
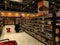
x=13, y=42
x=8, y=29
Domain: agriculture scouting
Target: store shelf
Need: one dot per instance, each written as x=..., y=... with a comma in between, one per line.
x=45, y=36
x=50, y=30
x=35, y=36
x=35, y=26
x=1, y=25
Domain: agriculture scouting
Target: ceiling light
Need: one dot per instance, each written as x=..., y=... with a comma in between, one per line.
x=28, y=14
x=9, y=13
x=27, y=5
x=52, y=2
x=23, y=15
x=32, y=1
x=33, y=15
x=2, y=13
x=5, y=1
x=23, y=8
x=16, y=14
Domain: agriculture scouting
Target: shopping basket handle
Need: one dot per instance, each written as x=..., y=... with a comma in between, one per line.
x=4, y=40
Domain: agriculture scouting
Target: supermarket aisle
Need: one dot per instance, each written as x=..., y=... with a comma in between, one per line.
x=22, y=38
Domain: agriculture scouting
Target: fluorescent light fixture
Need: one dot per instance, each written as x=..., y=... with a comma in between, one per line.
x=17, y=1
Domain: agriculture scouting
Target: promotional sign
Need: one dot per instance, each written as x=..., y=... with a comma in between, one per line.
x=43, y=7
x=40, y=4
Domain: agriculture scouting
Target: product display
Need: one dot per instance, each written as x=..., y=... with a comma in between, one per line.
x=39, y=29
x=9, y=21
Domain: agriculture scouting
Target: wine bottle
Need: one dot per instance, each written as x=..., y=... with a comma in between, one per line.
x=57, y=31
x=57, y=39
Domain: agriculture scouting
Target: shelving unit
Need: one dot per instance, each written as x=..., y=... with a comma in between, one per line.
x=57, y=30
x=39, y=28
x=1, y=25
x=45, y=28
x=55, y=10
x=9, y=20
x=42, y=28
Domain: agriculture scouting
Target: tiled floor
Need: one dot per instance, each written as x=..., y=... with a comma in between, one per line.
x=22, y=38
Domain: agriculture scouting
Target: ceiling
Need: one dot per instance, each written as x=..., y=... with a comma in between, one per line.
x=26, y=6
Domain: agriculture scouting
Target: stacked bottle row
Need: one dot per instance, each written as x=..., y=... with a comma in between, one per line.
x=57, y=30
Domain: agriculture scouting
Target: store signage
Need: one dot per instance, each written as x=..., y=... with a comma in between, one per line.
x=43, y=8
x=40, y=4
